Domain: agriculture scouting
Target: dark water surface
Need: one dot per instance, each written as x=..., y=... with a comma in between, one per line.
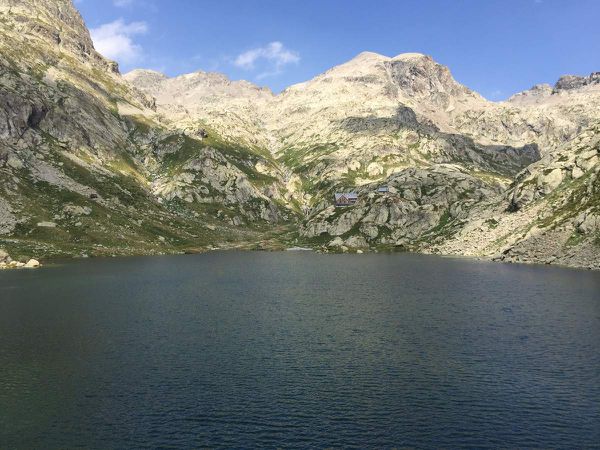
x=299, y=350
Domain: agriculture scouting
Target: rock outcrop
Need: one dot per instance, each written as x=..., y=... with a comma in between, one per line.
x=549, y=214
x=92, y=162
x=87, y=166
x=56, y=23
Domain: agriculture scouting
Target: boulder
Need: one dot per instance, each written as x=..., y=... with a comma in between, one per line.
x=354, y=165
x=371, y=231
x=588, y=223
x=76, y=210
x=4, y=257
x=32, y=264
x=46, y=224
x=337, y=242
x=356, y=242
x=577, y=173
x=374, y=169
x=550, y=180
x=15, y=162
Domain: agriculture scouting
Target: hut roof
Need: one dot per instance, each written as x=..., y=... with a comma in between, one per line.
x=348, y=195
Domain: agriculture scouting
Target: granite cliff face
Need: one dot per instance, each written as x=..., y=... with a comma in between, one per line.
x=55, y=23
x=549, y=214
x=87, y=166
x=92, y=162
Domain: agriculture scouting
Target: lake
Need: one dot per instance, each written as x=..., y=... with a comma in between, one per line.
x=296, y=350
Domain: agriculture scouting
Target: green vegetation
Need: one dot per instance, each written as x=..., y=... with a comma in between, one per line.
x=108, y=184
x=301, y=158
x=492, y=223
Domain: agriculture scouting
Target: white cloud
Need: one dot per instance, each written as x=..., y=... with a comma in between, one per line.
x=122, y=3
x=114, y=40
x=274, y=54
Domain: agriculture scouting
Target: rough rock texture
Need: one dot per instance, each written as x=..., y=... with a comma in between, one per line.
x=419, y=203
x=144, y=163
x=549, y=214
x=229, y=107
x=4, y=256
x=37, y=20
x=85, y=151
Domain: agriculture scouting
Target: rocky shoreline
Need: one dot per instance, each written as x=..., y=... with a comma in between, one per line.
x=6, y=262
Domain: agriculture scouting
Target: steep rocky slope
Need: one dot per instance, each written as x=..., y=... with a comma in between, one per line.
x=450, y=158
x=229, y=107
x=92, y=162
x=549, y=214
x=88, y=167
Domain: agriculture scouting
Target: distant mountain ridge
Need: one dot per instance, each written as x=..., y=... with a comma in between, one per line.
x=92, y=162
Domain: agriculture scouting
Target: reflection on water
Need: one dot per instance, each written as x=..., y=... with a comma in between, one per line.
x=299, y=350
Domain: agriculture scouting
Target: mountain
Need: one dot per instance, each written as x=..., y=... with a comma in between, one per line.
x=87, y=167
x=92, y=162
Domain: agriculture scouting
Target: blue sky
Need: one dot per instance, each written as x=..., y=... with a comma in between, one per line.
x=495, y=47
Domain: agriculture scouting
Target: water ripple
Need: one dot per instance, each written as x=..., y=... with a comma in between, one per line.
x=271, y=350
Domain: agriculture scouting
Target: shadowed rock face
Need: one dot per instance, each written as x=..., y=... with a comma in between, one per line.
x=420, y=77
x=75, y=137
x=145, y=163
x=501, y=159
x=569, y=82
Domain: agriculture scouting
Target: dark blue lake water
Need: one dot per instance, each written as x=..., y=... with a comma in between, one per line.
x=299, y=350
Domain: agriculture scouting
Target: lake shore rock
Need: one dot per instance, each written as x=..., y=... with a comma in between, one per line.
x=6, y=262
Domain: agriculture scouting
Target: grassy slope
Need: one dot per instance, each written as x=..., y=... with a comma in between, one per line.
x=126, y=219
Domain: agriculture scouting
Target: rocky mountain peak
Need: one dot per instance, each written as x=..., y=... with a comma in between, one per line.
x=366, y=58
x=410, y=56
x=190, y=88
x=364, y=67
x=537, y=92
x=407, y=75
x=418, y=76
x=220, y=81
x=144, y=79
x=202, y=77
x=566, y=86
x=57, y=24
x=570, y=82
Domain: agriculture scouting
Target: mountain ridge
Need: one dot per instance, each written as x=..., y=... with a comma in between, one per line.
x=562, y=83
x=95, y=163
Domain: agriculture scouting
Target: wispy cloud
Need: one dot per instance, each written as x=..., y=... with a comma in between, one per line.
x=275, y=55
x=115, y=40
